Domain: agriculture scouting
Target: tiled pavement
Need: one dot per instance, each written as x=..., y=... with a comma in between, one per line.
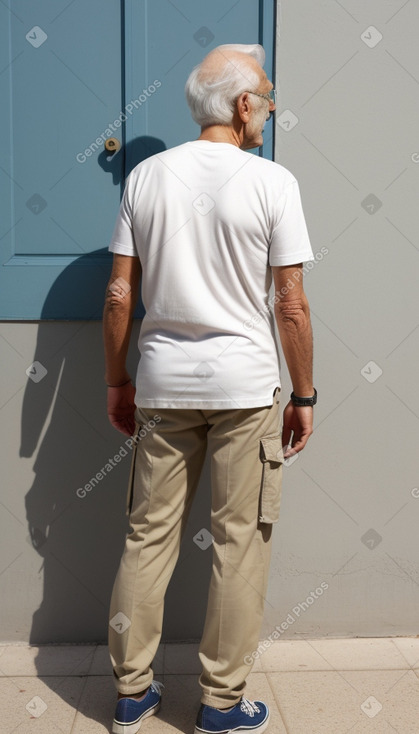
x=324, y=686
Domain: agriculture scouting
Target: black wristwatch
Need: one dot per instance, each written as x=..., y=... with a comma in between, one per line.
x=301, y=402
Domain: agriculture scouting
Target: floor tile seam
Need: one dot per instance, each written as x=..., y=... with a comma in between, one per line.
x=186, y=672
x=277, y=704
x=393, y=642
x=76, y=707
x=92, y=658
x=339, y=669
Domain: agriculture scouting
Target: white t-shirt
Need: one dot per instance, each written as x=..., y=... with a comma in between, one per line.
x=207, y=221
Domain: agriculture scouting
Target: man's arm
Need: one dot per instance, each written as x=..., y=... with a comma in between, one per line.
x=120, y=302
x=292, y=316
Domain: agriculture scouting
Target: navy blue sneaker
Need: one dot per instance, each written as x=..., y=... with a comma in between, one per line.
x=130, y=713
x=245, y=716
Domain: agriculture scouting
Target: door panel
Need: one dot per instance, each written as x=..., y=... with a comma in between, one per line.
x=64, y=86
x=75, y=73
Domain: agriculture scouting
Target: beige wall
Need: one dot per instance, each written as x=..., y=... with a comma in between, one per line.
x=350, y=510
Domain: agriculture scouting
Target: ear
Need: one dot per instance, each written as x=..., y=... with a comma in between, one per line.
x=244, y=107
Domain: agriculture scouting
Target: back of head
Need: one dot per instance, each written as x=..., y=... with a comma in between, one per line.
x=214, y=85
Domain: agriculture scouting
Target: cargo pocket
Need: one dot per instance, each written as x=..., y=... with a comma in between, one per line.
x=132, y=472
x=272, y=457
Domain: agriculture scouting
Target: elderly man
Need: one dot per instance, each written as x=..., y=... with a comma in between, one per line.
x=206, y=227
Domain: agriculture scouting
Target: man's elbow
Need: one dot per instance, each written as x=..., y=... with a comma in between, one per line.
x=120, y=297
x=293, y=312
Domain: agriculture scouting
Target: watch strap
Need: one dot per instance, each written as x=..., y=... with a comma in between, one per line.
x=303, y=402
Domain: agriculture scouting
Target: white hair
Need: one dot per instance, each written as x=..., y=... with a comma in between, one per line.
x=212, y=97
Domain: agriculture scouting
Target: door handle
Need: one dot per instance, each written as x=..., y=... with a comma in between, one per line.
x=112, y=145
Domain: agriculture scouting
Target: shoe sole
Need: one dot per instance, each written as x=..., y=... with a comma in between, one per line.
x=242, y=730
x=133, y=728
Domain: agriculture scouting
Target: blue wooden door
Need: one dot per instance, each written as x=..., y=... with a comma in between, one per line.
x=72, y=75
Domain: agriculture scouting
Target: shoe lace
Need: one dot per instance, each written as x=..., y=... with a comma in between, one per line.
x=249, y=707
x=156, y=686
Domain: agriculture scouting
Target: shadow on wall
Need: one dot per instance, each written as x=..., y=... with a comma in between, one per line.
x=80, y=534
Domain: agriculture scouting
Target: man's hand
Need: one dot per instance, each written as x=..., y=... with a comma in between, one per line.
x=299, y=421
x=121, y=408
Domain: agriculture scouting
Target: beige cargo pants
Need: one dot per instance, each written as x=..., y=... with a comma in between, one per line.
x=246, y=474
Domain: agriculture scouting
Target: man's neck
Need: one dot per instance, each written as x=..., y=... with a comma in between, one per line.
x=221, y=134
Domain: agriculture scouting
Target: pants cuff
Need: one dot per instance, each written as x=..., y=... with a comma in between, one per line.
x=219, y=703
x=131, y=689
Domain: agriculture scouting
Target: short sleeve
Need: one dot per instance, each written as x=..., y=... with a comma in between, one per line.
x=122, y=241
x=290, y=243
